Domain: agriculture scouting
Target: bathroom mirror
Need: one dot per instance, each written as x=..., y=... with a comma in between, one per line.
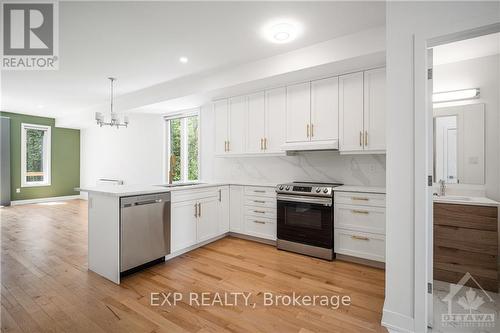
x=459, y=144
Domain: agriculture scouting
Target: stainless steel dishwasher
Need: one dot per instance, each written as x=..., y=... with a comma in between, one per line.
x=144, y=230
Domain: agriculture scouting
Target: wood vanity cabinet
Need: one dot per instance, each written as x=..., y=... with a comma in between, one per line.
x=466, y=240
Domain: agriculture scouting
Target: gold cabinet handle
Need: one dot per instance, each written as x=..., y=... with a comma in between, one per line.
x=312, y=130
x=195, y=210
x=199, y=209
x=307, y=130
x=360, y=238
x=259, y=201
x=259, y=222
x=359, y=199
x=225, y=145
x=366, y=138
x=259, y=211
x=228, y=148
x=261, y=143
x=259, y=191
x=355, y=211
x=265, y=143
x=360, y=138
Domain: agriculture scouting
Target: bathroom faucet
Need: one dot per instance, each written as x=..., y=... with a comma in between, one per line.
x=442, y=188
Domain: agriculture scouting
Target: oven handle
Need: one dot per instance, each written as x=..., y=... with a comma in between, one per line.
x=304, y=199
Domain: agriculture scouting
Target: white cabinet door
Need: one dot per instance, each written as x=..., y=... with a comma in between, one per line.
x=237, y=111
x=208, y=224
x=223, y=209
x=298, y=112
x=351, y=112
x=255, y=123
x=236, y=208
x=374, y=115
x=183, y=225
x=275, y=115
x=221, y=126
x=325, y=109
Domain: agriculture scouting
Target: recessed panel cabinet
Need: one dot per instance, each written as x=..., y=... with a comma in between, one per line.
x=325, y=109
x=256, y=123
x=221, y=116
x=275, y=120
x=362, y=112
x=298, y=112
x=237, y=111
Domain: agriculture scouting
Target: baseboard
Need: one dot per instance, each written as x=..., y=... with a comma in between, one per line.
x=49, y=199
x=253, y=238
x=361, y=261
x=396, y=322
x=195, y=246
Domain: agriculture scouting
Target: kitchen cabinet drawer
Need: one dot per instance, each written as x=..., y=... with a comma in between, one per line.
x=260, y=227
x=260, y=191
x=360, y=218
x=358, y=198
x=360, y=244
x=256, y=201
x=194, y=194
x=260, y=212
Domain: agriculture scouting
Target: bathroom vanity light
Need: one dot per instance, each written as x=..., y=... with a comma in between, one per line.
x=115, y=120
x=456, y=95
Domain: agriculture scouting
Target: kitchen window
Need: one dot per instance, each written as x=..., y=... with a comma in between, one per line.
x=35, y=155
x=182, y=148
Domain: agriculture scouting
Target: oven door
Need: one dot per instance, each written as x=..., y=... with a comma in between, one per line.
x=305, y=220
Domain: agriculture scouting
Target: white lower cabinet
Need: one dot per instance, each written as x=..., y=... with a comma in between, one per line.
x=208, y=224
x=360, y=225
x=236, y=208
x=183, y=225
x=223, y=209
x=261, y=227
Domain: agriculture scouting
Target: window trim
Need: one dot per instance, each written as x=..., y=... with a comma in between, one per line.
x=47, y=156
x=184, y=144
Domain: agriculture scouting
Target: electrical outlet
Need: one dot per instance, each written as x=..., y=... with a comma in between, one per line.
x=373, y=168
x=18, y=190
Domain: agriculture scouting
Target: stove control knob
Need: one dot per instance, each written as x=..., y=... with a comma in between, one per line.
x=325, y=190
x=318, y=190
x=281, y=187
x=288, y=188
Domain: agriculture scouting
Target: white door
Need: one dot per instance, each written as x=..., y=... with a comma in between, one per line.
x=208, y=213
x=351, y=135
x=221, y=126
x=374, y=113
x=325, y=109
x=275, y=115
x=183, y=225
x=223, y=209
x=237, y=111
x=255, y=123
x=298, y=112
x=236, y=208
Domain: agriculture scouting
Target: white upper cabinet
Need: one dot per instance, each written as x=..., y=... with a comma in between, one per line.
x=275, y=119
x=362, y=112
x=374, y=115
x=351, y=112
x=325, y=109
x=221, y=126
x=237, y=112
x=298, y=112
x=256, y=123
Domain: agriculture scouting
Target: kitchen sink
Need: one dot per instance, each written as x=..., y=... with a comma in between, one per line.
x=180, y=184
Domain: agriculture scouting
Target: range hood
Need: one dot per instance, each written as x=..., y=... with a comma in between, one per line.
x=311, y=145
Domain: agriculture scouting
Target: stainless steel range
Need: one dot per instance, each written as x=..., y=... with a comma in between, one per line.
x=305, y=218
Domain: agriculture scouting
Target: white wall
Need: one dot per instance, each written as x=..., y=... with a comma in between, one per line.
x=133, y=154
x=405, y=240
x=327, y=166
x=482, y=73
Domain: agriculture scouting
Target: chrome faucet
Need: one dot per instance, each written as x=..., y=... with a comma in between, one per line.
x=442, y=188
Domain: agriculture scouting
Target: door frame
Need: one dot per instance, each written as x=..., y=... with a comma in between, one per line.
x=423, y=157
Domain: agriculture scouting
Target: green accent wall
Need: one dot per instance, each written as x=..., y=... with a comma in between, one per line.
x=65, y=159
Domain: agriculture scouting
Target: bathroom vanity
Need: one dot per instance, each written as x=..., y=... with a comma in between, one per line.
x=466, y=240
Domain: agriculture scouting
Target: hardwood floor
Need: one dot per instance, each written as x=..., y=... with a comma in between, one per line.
x=46, y=286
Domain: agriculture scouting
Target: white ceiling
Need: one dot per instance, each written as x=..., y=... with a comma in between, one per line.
x=141, y=42
x=472, y=48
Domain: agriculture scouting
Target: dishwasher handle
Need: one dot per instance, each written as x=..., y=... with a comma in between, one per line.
x=147, y=202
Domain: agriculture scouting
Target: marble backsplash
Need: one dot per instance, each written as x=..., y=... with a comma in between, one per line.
x=323, y=166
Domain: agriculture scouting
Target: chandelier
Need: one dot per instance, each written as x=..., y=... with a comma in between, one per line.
x=115, y=120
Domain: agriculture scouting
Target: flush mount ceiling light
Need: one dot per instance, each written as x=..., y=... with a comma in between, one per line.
x=456, y=95
x=183, y=60
x=281, y=31
x=115, y=120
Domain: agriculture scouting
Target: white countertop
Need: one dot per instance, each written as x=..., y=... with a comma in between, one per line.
x=361, y=189
x=466, y=200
